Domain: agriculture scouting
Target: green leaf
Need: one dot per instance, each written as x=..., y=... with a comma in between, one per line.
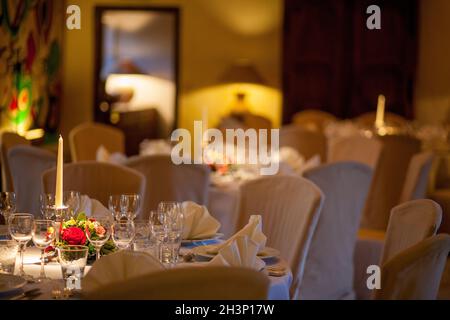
x=81, y=216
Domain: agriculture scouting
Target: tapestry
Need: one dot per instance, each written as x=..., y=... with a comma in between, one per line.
x=31, y=33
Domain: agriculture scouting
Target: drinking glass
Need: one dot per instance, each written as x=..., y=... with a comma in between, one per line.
x=7, y=205
x=98, y=232
x=114, y=206
x=174, y=216
x=8, y=255
x=47, y=206
x=43, y=235
x=73, y=261
x=72, y=200
x=20, y=228
x=129, y=205
x=142, y=239
x=123, y=233
x=159, y=230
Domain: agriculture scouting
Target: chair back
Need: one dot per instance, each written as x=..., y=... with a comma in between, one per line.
x=415, y=273
x=190, y=283
x=312, y=119
x=97, y=180
x=392, y=119
x=290, y=207
x=307, y=143
x=27, y=164
x=86, y=138
x=417, y=177
x=345, y=186
x=7, y=141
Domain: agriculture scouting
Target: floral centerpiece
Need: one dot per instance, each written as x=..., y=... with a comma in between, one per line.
x=73, y=232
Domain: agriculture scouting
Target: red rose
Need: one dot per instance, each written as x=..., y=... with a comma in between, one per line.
x=74, y=236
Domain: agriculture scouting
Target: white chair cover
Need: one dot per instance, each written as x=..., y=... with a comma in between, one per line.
x=86, y=138
x=169, y=182
x=7, y=141
x=388, y=180
x=417, y=177
x=307, y=143
x=355, y=148
x=290, y=207
x=27, y=164
x=190, y=283
x=415, y=273
x=329, y=264
x=97, y=180
x=410, y=223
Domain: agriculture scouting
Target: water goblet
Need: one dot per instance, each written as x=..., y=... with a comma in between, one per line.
x=129, y=205
x=114, y=206
x=43, y=234
x=72, y=200
x=20, y=227
x=123, y=233
x=98, y=232
x=47, y=206
x=73, y=260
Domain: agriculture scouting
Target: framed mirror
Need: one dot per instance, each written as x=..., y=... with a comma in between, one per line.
x=136, y=71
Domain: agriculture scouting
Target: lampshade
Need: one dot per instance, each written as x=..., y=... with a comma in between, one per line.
x=242, y=72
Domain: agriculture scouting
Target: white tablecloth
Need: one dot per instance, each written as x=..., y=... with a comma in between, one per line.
x=279, y=286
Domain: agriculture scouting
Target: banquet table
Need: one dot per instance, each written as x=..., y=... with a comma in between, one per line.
x=278, y=290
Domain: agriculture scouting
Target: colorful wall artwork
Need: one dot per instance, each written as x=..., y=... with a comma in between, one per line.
x=31, y=34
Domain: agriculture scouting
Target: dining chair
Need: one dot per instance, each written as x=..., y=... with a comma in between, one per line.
x=312, y=119
x=190, y=283
x=368, y=119
x=417, y=177
x=307, y=143
x=415, y=273
x=7, y=141
x=27, y=164
x=388, y=180
x=329, y=264
x=97, y=180
x=355, y=148
x=290, y=207
x=86, y=138
x=169, y=182
x=410, y=223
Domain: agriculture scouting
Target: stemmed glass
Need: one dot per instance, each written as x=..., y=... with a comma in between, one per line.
x=174, y=219
x=114, y=206
x=7, y=204
x=129, y=205
x=20, y=228
x=47, y=204
x=98, y=232
x=43, y=234
x=159, y=230
x=123, y=233
x=72, y=199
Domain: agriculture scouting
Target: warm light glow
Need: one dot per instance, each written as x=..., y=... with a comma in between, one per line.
x=379, y=120
x=148, y=92
x=220, y=100
x=34, y=134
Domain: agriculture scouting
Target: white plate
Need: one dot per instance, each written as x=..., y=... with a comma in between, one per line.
x=9, y=283
x=217, y=236
x=205, y=252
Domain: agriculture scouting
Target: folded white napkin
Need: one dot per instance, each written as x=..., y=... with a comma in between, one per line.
x=93, y=207
x=103, y=155
x=241, y=252
x=198, y=223
x=312, y=162
x=253, y=230
x=119, y=266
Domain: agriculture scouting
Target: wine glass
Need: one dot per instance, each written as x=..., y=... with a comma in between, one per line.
x=129, y=205
x=7, y=204
x=114, y=206
x=20, y=228
x=174, y=221
x=43, y=234
x=98, y=232
x=47, y=204
x=123, y=233
x=72, y=199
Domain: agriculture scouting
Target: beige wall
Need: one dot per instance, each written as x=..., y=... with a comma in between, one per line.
x=213, y=34
x=432, y=95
